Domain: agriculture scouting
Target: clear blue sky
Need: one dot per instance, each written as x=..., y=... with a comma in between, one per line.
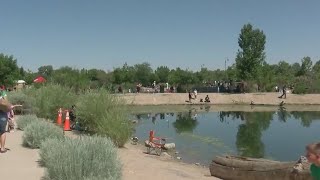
x=187, y=33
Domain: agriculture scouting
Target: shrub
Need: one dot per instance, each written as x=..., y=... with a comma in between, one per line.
x=21, y=98
x=24, y=121
x=105, y=115
x=38, y=131
x=49, y=98
x=85, y=158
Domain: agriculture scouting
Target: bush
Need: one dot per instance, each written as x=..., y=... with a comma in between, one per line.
x=105, y=115
x=24, y=121
x=85, y=158
x=38, y=131
x=19, y=97
x=49, y=98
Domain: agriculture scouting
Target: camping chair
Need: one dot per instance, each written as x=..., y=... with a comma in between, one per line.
x=155, y=144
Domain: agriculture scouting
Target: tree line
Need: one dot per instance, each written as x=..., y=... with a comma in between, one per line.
x=250, y=66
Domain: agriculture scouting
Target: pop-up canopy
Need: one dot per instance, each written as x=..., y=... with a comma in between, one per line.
x=39, y=79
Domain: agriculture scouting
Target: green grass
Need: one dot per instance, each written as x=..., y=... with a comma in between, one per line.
x=24, y=121
x=38, y=131
x=84, y=158
x=105, y=115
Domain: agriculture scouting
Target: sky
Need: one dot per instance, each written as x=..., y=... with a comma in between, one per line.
x=104, y=34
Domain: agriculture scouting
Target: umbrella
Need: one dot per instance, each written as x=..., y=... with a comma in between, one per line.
x=21, y=82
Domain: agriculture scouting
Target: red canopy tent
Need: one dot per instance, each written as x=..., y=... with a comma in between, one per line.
x=39, y=79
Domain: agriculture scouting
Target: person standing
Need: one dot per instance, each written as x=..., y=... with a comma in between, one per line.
x=3, y=121
x=3, y=125
x=284, y=92
x=195, y=92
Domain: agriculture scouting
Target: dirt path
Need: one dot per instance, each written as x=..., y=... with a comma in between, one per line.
x=138, y=166
x=220, y=99
x=19, y=163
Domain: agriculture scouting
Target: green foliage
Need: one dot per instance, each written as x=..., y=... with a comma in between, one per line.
x=49, y=98
x=162, y=73
x=9, y=70
x=83, y=159
x=105, y=115
x=251, y=56
x=306, y=66
x=71, y=78
x=45, y=71
x=21, y=98
x=24, y=121
x=38, y=131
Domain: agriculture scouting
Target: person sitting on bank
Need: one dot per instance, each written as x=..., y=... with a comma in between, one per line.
x=207, y=99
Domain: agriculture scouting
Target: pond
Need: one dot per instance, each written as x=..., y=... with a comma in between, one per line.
x=201, y=134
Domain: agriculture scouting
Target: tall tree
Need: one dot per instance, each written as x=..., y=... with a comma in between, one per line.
x=163, y=73
x=143, y=73
x=306, y=66
x=251, y=56
x=45, y=70
x=9, y=70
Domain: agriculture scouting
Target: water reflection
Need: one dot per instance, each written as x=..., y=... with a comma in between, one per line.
x=243, y=132
x=185, y=122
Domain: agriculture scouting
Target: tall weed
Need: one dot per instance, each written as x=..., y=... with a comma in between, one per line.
x=49, y=98
x=105, y=115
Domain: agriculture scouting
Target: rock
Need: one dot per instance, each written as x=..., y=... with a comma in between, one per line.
x=134, y=121
x=179, y=158
x=176, y=152
x=170, y=146
x=198, y=164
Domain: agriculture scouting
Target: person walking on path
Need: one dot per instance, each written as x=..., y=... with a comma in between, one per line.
x=284, y=92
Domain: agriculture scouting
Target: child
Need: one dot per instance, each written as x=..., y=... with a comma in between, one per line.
x=313, y=156
x=11, y=122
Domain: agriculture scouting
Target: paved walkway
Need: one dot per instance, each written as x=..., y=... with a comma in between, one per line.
x=20, y=162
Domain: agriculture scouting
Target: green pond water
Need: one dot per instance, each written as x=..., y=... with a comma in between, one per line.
x=200, y=134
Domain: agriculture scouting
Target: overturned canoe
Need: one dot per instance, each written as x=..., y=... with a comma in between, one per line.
x=241, y=168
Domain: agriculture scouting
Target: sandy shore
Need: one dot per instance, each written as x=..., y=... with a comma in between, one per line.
x=220, y=99
x=22, y=163
x=137, y=165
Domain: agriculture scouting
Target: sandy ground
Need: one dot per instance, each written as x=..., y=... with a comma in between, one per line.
x=19, y=162
x=22, y=163
x=220, y=99
x=138, y=165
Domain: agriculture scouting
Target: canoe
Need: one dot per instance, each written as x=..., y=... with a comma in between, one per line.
x=242, y=168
